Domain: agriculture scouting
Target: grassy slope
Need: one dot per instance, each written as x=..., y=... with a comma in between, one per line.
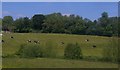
x=0, y=52
x=12, y=45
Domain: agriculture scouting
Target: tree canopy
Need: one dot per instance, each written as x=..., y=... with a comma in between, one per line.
x=58, y=23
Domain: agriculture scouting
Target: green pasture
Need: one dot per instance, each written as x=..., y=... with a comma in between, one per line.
x=10, y=46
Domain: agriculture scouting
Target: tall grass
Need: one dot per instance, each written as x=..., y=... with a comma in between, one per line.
x=49, y=49
x=111, y=52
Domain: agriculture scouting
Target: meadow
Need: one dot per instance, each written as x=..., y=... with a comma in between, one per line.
x=11, y=45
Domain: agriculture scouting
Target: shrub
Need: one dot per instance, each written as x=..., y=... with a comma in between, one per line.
x=73, y=51
x=30, y=51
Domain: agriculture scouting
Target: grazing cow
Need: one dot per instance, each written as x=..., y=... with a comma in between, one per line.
x=94, y=46
x=62, y=43
x=12, y=37
x=29, y=41
x=36, y=42
x=87, y=40
x=3, y=41
x=1, y=34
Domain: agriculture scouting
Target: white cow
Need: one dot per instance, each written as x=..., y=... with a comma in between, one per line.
x=1, y=34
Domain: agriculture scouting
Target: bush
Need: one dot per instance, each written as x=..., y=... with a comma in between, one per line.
x=30, y=51
x=73, y=51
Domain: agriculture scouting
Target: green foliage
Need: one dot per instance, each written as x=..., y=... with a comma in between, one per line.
x=0, y=21
x=90, y=27
x=34, y=50
x=73, y=51
x=7, y=20
x=104, y=19
x=37, y=21
x=118, y=27
x=22, y=25
x=58, y=23
x=7, y=23
x=54, y=23
x=30, y=51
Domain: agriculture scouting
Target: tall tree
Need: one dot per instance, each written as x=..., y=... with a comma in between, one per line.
x=7, y=23
x=103, y=20
x=37, y=21
x=78, y=26
x=91, y=27
x=23, y=25
x=54, y=23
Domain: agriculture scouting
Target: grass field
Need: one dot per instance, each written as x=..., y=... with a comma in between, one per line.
x=0, y=52
x=53, y=63
x=10, y=46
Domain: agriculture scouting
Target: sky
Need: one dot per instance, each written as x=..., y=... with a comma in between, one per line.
x=90, y=10
x=60, y=0
x=118, y=9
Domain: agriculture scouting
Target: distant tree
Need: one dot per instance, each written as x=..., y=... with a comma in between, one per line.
x=78, y=26
x=0, y=21
x=105, y=25
x=99, y=30
x=91, y=28
x=113, y=25
x=23, y=25
x=37, y=21
x=58, y=23
x=95, y=21
x=88, y=25
x=7, y=23
x=103, y=20
x=54, y=23
x=105, y=15
x=118, y=28
x=108, y=30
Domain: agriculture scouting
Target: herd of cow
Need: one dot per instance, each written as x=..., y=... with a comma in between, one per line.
x=29, y=41
x=38, y=42
x=35, y=41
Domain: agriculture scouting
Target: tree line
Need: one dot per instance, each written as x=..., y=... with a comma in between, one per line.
x=58, y=23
